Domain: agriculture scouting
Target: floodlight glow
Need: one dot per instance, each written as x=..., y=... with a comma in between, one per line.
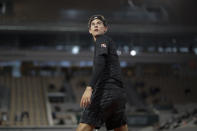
x=75, y=50
x=132, y=52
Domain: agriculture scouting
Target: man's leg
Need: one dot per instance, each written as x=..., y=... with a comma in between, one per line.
x=84, y=127
x=122, y=128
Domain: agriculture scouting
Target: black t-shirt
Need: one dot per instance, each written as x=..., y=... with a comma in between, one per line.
x=106, y=65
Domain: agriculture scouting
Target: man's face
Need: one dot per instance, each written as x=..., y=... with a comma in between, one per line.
x=97, y=28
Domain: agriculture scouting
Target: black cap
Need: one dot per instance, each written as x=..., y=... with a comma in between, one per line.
x=100, y=17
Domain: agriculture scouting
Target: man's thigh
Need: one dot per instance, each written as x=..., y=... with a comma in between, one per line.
x=85, y=127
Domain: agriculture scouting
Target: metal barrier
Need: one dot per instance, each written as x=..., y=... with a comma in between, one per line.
x=42, y=128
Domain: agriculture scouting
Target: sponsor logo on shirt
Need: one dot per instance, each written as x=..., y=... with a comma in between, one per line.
x=103, y=45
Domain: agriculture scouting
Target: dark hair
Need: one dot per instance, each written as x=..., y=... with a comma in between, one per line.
x=100, y=17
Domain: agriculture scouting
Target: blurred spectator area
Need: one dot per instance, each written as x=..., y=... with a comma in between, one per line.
x=45, y=96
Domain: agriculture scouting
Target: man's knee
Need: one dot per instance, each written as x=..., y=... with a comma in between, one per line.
x=84, y=127
x=122, y=128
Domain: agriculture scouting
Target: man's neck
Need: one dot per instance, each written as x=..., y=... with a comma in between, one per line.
x=94, y=37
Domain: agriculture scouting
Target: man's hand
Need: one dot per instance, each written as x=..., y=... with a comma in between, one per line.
x=85, y=100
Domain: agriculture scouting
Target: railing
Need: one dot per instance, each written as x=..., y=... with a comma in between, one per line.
x=54, y=55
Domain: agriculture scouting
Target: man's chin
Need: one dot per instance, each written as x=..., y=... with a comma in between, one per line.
x=97, y=34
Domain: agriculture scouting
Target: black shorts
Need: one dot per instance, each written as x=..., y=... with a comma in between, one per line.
x=107, y=106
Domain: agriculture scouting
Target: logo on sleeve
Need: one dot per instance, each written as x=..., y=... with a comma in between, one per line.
x=103, y=45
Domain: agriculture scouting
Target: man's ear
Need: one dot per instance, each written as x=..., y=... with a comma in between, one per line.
x=106, y=29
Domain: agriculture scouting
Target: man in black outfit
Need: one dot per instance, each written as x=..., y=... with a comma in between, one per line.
x=104, y=98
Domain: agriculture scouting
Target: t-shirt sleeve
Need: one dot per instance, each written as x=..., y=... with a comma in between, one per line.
x=99, y=66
